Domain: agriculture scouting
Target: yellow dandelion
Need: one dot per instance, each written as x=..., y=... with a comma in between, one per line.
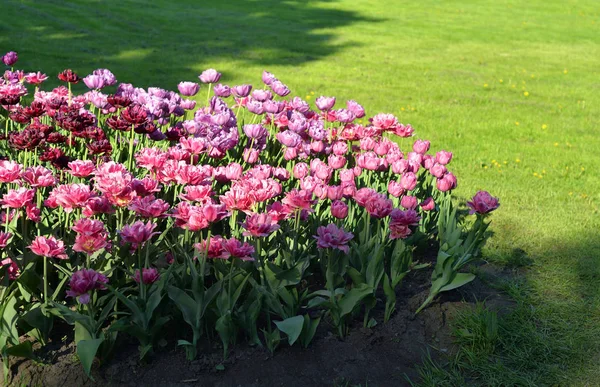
x=582, y=169
x=544, y=126
x=514, y=86
x=505, y=162
x=402, y=108
x=570, y=193
x=543, y=171
x=501, y=81
x=565, y=71
x=532, y=76
x=485, y=85
x=555, y=144
x=517, y=123
x=535, y=174
x=526, y=94
x=493, y=161
x=517, y=160
x=308, y=97
x=312, y=93
x=485, y=167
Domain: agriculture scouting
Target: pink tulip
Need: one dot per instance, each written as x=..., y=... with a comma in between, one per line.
x=85, y=281
x=379, y=206
x=149, y=276
x=5, y=239
x=259, y=225
x=428, y=204
x=443, y=157
x=138, y=233
x=38, y=177
x=10, y=171
x=81, y=168
x=48, y=247
x=395, y=189
x=333, y=237
x=409, y=202
x=421, y=146
x=18, y=198
x=339, y=209
x=482, y=203
x=12, y=270
x=408, y=181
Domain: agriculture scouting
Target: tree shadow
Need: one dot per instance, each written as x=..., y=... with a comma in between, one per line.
x=160, y=43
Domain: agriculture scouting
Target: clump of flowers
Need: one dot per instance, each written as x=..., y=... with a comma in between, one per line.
x=238, y=195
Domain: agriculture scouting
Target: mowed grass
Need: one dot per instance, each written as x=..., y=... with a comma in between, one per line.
x=511, y=87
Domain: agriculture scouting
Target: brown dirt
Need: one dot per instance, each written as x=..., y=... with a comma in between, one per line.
x=385, y=355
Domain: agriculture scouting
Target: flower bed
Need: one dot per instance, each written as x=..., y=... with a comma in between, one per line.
x=251, y=216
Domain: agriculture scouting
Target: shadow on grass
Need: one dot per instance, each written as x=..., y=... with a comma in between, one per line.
x=552, y=334
x=161, y=42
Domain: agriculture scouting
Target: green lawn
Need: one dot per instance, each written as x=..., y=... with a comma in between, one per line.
x=511, y=87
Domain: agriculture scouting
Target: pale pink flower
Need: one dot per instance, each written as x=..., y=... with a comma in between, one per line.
x=69, y=196
x=10, y=171
x=151, y=158
x=38, y=177
x=81, y=168
x=89, y=244
x=197, y=193
x=49, y=247
x=428, y=204
x=18, y=198
x=443, y=157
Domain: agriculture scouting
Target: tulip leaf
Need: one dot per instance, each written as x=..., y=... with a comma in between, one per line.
x=86, y=351
x=351, y=299
x=292, y=327
x=459, y=280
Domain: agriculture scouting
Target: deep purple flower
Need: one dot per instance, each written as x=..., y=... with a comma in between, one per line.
x=210, y=76
x=10, y=58
x=83, y=282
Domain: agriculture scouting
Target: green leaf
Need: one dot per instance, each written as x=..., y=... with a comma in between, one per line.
x=292, y=327
x=357, y=278
x=24, y=349
x=309, y=329
x=86, y=351
x=81, y=333
x=351, y=299
x=459, y=280
x=185, y=303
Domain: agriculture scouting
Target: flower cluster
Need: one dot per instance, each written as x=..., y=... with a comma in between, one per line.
x=126, y=179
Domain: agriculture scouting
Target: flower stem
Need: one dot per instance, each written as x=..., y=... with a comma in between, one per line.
x=45, y=281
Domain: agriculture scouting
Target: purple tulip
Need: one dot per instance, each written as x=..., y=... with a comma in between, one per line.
x=268, y=78
x=288, y=138
x=10, y=58
x=279, y=88
x=94, y=81
x=345, y=116
x=356, y=108
x=255, y=131
x=222, y=91
x=300, y=105
x=255, y=107
x=210, y=76
x=107, y=75
x=325, y=103
x=273, y=107
x=188, y=104
x=241, y=91
x=188, y=89
x=262, y=95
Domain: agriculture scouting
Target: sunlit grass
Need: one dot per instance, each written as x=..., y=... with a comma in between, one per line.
x=511, y=87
